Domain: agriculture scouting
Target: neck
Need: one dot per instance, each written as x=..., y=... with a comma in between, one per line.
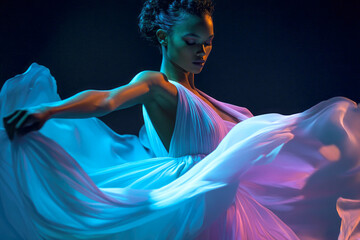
x=175, y=73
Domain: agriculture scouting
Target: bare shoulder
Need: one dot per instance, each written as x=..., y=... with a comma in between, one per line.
x=155, y=78
x=164, y=92
x=147, y=76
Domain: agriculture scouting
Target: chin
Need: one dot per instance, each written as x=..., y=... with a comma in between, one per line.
x=196, y=71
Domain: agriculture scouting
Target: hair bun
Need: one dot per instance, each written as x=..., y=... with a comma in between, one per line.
x=156, y=14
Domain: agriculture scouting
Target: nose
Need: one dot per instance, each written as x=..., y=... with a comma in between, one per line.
x=201, y=52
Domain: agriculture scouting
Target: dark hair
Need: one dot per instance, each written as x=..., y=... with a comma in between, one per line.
x=164, y=14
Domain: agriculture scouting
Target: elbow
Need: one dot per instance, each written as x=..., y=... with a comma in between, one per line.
x=108, y=105
x=104, y=104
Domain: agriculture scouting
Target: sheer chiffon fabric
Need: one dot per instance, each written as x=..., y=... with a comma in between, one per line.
x=270, y=176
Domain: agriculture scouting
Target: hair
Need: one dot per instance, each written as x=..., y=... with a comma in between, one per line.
x=163, y=14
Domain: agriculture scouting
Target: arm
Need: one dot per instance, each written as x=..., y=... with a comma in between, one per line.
x=90, y=103
x=95, y=103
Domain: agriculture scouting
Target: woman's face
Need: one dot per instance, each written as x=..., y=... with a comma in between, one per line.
x=190, y=41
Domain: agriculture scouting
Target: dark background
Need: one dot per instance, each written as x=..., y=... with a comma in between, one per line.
x=268, y=56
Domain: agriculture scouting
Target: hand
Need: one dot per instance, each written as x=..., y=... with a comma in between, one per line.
x=23, y=121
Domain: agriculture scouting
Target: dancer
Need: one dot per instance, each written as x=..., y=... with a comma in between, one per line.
x=199, y=169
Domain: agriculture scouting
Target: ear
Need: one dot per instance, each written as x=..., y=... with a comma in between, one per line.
x=162, y=36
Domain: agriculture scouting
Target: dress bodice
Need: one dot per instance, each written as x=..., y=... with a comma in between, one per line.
x=198, y=128
x=284, y=177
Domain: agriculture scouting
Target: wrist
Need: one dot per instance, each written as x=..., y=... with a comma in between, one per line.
x=44, y=110
x=48, y=112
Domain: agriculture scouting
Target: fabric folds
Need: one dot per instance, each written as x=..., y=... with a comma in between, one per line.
x=270, y=176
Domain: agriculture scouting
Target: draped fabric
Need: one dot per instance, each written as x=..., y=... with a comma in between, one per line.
x=270, y=176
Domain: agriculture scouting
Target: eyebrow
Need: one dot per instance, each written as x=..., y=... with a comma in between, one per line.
x=195, y=35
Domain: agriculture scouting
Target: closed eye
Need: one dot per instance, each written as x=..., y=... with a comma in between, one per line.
x=192, y=43
x=189, y=43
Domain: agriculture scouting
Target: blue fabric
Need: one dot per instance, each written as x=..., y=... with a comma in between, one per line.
x=257, y=179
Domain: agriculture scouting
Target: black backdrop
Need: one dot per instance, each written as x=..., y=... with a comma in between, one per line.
x=269, y=56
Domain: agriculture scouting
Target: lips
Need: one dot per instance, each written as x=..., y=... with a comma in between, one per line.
x=199, y=64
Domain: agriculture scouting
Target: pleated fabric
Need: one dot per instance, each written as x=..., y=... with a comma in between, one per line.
x=270, y=176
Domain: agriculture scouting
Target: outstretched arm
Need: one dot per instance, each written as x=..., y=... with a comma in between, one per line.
x=90, y=103
x=95, y=103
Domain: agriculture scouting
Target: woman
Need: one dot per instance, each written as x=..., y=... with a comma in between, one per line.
x=200, y=168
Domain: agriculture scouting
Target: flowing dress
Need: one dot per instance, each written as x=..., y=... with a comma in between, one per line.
x=270, y=176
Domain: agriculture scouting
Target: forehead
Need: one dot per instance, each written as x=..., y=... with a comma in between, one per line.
x=202, y=26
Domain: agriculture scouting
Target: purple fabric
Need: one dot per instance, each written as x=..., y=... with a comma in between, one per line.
x=270, y=176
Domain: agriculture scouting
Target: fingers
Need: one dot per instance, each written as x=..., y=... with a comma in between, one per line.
x=10, y=122
x=13, y=116
x=21, y=121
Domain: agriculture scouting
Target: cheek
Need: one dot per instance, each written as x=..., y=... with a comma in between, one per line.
x=182, y=55
x=187, y=54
